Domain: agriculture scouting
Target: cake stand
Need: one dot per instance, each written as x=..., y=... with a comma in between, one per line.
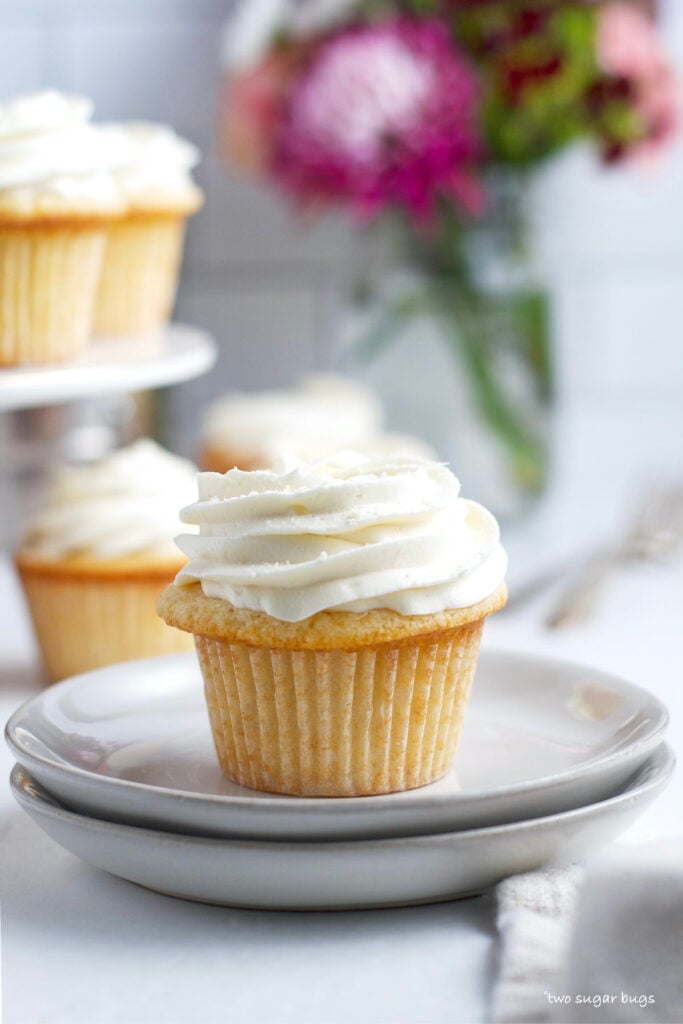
x=109, y=365
x=47, y=414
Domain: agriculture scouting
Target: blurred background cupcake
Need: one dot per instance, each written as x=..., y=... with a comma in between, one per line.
x=93, y=564
x=57, y=198
x=139, y=278
x=323, y=414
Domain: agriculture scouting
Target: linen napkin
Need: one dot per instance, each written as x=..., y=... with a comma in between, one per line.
x=604, y=947
x=534, y=915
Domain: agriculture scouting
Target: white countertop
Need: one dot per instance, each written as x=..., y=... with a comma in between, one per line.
x=82, y=947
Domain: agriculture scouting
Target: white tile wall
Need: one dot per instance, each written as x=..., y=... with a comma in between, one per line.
x=612, y=243
x=18, y=36
x=593, y=214
x=643, y=341
x=266, y=332
x=166, y=70
x=248, y=225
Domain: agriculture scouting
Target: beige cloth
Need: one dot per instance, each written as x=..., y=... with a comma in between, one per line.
x=534, y=917
x=604, y=948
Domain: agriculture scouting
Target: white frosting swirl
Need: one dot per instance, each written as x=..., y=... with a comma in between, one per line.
x=46, y=141
x=158, y=164
x=126, y=503
x=324, y=414
x=42, y=112
x=349, y=534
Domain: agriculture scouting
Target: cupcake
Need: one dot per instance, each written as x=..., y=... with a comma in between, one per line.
x=337, y=610
x=389, y=445
x=93, y=564
x=139, y=278
x=324, y=414
x=57, y=198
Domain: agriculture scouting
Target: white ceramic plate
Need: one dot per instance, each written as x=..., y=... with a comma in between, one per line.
x=131, y=743
x=174, y=354
x=340, y=876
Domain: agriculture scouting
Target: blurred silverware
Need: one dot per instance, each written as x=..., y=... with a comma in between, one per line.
x=655, y=534
x=522, y=593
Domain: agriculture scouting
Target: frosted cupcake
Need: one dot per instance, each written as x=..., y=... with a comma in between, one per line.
x=323, y=415
x=139, y=278
x=337, y=610
x=57, y=197
x=389, y=445
x=93, y=564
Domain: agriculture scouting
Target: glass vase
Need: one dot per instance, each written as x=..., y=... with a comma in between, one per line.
x=465, y=363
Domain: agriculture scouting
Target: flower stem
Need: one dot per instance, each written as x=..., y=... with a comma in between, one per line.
x=470, y=329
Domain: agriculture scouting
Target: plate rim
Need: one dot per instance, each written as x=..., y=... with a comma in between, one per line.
x=188, y=352
x=643, y=745
x=664, y=770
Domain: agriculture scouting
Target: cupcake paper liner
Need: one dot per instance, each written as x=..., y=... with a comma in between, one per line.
x=339, y=723
x=139, y=278
x=82, y=623
x=48, y=276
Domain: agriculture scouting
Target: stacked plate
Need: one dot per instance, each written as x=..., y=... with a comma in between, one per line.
x=118, y=767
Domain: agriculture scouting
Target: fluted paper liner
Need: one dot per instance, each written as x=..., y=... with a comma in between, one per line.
x=48, y=277
x=83, y=623
x=339, y=723
x=139, y=278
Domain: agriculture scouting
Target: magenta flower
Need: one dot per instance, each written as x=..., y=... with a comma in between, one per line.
x=383, y=115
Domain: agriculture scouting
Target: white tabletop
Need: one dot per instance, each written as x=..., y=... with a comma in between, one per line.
x=81, y=947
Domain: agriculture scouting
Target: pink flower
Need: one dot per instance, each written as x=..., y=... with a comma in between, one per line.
x=384, y=115
x=628, y=48
x=627, y=44
x=659, y=105
x=251, y=110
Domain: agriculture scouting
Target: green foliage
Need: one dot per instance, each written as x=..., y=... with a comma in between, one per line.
x=529, y=314
x=425, y=7
x=421, y=8
x=537, y=64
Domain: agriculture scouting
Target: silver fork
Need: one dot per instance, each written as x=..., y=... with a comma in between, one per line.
x=654, y=535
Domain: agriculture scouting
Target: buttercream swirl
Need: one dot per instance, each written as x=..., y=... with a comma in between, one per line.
x=158, y=163
x=347, y=533
x=123, y=504
x=42, y=112
x=46, y=140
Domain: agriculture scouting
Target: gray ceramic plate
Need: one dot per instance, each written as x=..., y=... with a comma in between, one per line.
x=340, y=876
x=131, y=743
